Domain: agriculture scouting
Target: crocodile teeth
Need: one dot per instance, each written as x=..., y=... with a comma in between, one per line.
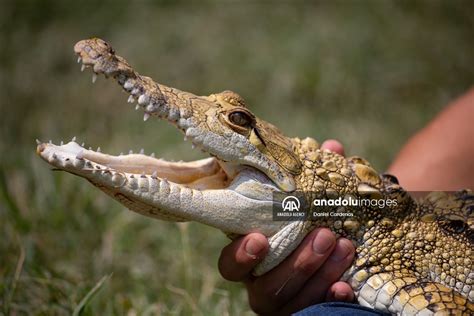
x=94, y=77
x=83, y=67
x=152, y=155
x=73, y=139
x=131, y=99
x=135, y=91
x=50, y=141
x=143, y=99
x=130, y=152
x=150, y=107
x=142, y=151
x=38, y=141
x=118, y=179
x=82, y=145
x=146, y=116
x=137, y=107
x=98, y=150
x=62, y=143
x=128, y=84
x=154, y=175
x=79, y=59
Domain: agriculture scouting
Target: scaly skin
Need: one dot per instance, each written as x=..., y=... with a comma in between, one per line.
x=415, y=257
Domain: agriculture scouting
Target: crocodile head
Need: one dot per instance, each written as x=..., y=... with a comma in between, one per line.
x=250, y=159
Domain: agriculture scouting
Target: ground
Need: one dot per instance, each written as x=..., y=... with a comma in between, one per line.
x=369, y=75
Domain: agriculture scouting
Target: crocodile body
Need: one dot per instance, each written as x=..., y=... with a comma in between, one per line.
x=412, y=257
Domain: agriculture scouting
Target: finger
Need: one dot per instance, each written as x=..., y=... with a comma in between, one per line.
x=316, y=288
x=333, y=145
x=340, y=291
x=239, y=257
x=286, y=280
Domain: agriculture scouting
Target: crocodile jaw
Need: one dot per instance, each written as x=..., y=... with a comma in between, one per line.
x=198, y=117
x=201, y=190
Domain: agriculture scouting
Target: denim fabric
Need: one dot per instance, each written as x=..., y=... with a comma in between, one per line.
x=338, y=309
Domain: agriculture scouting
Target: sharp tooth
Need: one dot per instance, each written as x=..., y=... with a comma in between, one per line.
x=130, y=152
x=73, y=139
x=79, y=59
x=193, y=146
x=62, y=143
x=131, y=99
x=152, y=155
x=142, y=151
x=154, y=174
x=118, y=180
x=98, y=149
x=137, y=107
x=90, y=148
x=121, y=154
x=146, y=116
x=83, y=67
x=82, y=145
x=128, y=84
x=185, y=138
x=80, y=155
x=150, y=107
x=135, y=91
x=94, y=77
x=38, y=141
x=50, y=141
x=142, y=99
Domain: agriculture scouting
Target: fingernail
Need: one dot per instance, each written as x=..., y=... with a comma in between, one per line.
x=253, y=247
x=322, y=242
x=341, y=252
x=341, y=296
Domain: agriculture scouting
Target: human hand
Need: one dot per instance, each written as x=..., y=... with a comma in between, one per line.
x=308, y=276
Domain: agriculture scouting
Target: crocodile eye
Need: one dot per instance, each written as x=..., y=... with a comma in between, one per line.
x=240, y=118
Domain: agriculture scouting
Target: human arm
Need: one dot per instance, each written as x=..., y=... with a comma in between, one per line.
x=441, y=155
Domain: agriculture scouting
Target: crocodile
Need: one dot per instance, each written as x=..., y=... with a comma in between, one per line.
x=414, y=256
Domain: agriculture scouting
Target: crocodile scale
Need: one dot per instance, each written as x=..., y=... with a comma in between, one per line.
x=412, y=258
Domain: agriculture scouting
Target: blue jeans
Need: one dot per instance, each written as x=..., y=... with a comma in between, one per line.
x=338, y=309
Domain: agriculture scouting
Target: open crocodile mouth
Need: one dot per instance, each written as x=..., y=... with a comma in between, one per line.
x=203, y=174
x=97, y=167
x=221, y=191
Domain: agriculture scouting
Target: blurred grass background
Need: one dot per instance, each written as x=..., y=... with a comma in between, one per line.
x=369, y=73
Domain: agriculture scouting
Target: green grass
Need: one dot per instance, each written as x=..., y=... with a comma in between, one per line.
x=368, y=73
